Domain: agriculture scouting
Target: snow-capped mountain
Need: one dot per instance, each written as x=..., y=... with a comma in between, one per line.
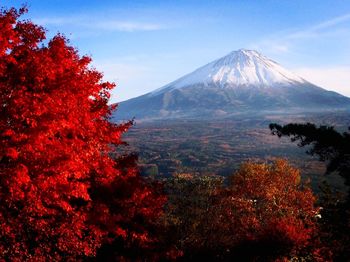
x=240, y=82
x=238, y=68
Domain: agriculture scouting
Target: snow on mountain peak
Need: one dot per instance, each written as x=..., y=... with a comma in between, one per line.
x=239, y=68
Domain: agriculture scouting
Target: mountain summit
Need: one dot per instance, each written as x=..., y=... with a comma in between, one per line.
x=238, y=68
x=244, y=81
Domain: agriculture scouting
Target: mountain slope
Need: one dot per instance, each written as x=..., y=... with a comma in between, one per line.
x=242, y=82
x=239, y=68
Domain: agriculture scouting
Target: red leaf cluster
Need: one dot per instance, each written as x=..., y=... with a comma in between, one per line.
x=267, y=205
x=54, y=156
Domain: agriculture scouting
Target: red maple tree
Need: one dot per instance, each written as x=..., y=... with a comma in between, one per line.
x=61, y=193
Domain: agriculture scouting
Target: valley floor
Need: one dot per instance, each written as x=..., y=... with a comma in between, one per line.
x=218, y=147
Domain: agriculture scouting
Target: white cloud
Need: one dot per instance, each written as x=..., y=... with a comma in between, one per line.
x=100, y=24
x=273, y=46
x=318, y=29
x=127, y=26
x=283, y=42
x=119, y=71
x=333, y=78
x=45, y=21
x=123, y=75
x=332, y=22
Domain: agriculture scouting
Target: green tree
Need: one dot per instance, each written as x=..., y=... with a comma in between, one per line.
x=328, y=144
x=188, y=218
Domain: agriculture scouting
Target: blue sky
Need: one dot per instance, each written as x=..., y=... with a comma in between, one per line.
x=143, y=45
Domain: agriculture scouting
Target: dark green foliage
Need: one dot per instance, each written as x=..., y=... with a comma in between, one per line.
x=331, y=146
x=334, y=223
x=188, y=217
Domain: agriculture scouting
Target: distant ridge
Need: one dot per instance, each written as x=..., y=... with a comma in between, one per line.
x=242, y=82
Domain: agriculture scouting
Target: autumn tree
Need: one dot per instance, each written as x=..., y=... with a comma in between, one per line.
x=264, y=212
x=333, y=148
x=61, y=193
x=268, y=212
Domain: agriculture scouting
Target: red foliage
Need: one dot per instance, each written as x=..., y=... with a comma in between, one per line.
x=55, y=138
x=268, y=208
